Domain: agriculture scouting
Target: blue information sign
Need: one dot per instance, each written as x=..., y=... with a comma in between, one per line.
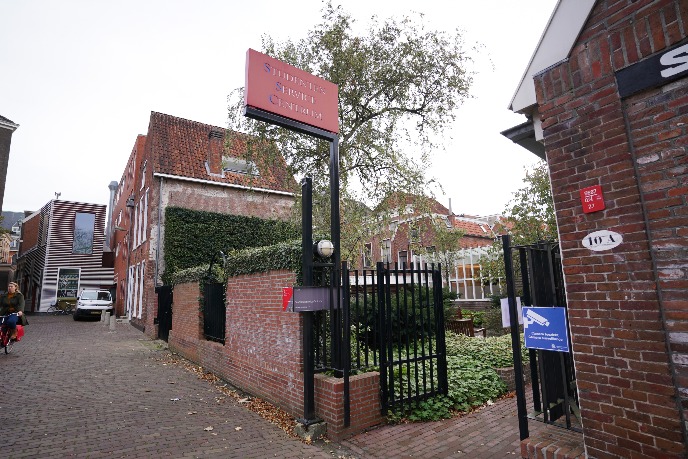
x=545, y=328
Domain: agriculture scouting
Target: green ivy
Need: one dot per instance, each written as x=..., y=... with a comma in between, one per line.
x=472, y=380
x=494, y=351
x=285, y=255
x=192, y=237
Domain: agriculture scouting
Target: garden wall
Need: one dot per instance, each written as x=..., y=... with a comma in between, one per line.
x=262, y=353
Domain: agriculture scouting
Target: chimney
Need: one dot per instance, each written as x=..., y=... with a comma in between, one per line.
x=108, y=223
x=215, y=148
x=450, y=209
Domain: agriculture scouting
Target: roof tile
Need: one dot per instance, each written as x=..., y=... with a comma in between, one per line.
x=180, y=147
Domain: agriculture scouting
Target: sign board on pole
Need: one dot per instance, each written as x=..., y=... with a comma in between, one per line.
x=545, y=328
x=304, y=299
x=282, y=89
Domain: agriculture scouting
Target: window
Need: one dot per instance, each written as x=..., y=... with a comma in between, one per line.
x=83, y=233
x=67, y=282
x=141, y=219
x=239, y=165
x=414, y=235
x=386, y=251
x=143, y=175
x=367, y=255
x=403, y=259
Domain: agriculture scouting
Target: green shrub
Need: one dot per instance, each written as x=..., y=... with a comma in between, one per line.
x=492, y=320
x=284, y=255
x=412, y=317
x=477, y=316
x=472, y=380
x=192, y=237
x=493, y=351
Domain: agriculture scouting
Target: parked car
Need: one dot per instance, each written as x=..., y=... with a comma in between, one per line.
x=92, y=302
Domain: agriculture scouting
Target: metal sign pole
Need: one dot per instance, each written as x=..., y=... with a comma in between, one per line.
x=308, y=319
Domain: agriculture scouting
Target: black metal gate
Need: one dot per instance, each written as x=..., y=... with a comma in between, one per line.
x=165, y=297
x=554, y=393
x=391, y=318
x=413, y=358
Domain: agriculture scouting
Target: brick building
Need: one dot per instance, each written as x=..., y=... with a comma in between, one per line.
x=606, y=94
x=409, y=237
x=182, y=163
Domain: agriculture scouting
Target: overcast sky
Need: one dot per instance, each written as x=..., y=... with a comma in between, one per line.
x=81, y=78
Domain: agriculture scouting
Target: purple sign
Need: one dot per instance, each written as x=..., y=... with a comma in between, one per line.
x=304, y=299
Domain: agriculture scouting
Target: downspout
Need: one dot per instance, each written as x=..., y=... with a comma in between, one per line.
x=108, y=222
x=157, y=244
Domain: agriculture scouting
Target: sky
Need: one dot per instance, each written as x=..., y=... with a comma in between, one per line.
x=81, y=78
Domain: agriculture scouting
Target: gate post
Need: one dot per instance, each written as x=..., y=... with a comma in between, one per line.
x=515, y=339
x=307, y=268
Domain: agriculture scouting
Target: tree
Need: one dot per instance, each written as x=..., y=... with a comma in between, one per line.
x=447, y=242
x=399, y=88
x=528, y=218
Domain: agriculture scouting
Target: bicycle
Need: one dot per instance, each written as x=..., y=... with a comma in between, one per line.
x=5, y=333
x=61, y=307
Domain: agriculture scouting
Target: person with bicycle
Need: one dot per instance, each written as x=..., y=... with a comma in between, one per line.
x=11, y=302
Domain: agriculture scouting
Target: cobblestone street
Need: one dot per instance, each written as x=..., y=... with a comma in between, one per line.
x=78, y=389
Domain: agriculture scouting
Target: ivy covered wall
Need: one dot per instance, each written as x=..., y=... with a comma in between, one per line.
x=192, y=237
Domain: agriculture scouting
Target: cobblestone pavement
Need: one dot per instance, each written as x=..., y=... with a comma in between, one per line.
x=490, y=432
x=77, y=389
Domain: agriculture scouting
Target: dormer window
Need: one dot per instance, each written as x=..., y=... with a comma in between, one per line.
x=238, y=165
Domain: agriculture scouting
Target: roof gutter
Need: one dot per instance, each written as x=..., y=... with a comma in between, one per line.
x=226, y=185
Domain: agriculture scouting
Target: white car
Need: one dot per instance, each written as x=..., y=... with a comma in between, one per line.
x=92, y=302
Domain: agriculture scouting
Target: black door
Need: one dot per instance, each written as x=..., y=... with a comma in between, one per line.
x=164, y=311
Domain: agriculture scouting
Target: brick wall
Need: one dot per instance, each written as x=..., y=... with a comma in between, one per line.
x=30, y=234
x=626, y=305
x=262, y=351
x=364, y=394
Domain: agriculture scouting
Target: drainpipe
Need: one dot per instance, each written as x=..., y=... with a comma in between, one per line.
x=108, y=223
x=157, y=244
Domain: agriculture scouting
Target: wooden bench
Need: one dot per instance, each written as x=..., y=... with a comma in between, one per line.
x=464, y=327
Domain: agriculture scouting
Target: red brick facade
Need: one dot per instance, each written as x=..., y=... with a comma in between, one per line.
x=179, y=163
x=628, y=306
x=262, y=353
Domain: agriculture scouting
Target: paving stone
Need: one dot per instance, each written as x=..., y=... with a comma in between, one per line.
x=89, y=392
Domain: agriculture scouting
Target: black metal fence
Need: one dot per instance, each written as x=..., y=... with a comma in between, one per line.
x=388, y=319
x=538, y=270
x=413, y=361
x=214, y=309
